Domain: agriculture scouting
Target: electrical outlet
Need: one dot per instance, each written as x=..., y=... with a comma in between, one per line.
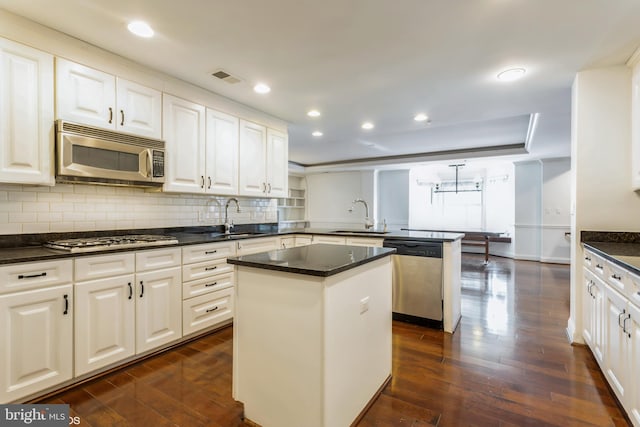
x=364, y=305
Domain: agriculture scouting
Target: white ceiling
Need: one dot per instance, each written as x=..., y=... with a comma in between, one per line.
x=377, y=60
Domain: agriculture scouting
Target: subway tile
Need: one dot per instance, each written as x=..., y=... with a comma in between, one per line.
x=4, y=217
x=105, y=189
x=50, y=217
x=10, y=228
x=10, y=187
x=35, y=207
x=20, y=196
x=60, y=227
x=84, y=226
x=36, y=189
x=49, y=197
x=63, y=188
x=74, y=198
x=23, y=217
x=73, y=216
x=61, y=207
x=3, y=196
x=10, y=207
x=96, y=216
x=85, y=189
x=39, y=227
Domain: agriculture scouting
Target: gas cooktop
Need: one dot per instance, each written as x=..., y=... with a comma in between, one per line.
x=94, y=244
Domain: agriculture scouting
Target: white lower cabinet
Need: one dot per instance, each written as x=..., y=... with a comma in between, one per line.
x=36, y=327
x=611, y=328
x=207, y=288
x=303, y=240
x=364, y=241
x=130, y=305
x=331, y=240
x=36, y=336
x=105, y=322
x=261, y=244
x=158, y=307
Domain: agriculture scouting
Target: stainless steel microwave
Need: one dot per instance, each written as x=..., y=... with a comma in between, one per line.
x=86, y=154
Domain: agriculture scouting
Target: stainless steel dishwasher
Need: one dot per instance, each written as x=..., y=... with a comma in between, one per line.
x=417, y=281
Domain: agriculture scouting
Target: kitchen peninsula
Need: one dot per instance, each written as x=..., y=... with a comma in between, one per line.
x=312, y=333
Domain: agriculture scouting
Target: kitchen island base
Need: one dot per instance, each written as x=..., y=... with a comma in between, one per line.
x=310, y=350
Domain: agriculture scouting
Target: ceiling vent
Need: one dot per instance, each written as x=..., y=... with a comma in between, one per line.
x=226, y=77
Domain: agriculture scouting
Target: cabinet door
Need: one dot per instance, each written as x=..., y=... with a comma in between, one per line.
x=615, y=340
x=253, y=152
x=184, y=134
x=277, y=164
x=635, y=128
x=597, y=319
x=222, y=153
x=158, y=308
x=139, y=109
x=85, y=95
x=287, y=242
x=26, y=114
x=104, y=322
x=633, y=328
x=303, y=240
x=36, y=341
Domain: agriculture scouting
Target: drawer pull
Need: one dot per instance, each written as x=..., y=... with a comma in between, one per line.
x=624, y=326
x=587, y=258
x=211, y=252
x=624, y=311
x=211, y=284
x=212, y=309
x=599, y=266
x=615, y=277
x=210, y=268
x=31, y=276
x=66, y=304
x=130, y=290
x=141, y=288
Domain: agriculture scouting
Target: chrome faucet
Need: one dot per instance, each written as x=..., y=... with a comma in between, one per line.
x=368, y=224
x=229, y=225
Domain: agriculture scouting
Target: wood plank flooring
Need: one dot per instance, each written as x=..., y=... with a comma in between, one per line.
x=507, y=364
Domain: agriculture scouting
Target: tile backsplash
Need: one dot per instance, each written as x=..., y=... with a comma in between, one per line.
x=79, y=207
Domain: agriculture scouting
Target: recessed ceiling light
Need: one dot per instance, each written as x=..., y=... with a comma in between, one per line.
x=367, y=125
x=313, y=113
x=511, y=74
x=421, y=117
x=262, y=88
x=140, y=29
x=317, y=133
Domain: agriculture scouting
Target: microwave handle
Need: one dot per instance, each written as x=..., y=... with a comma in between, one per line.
x=149, y=163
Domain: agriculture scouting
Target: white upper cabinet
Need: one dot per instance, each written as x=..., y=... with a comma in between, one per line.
x=635, y=126
x=184, y=133
x=277, y=163
x=221, y=153
x=92, y=97
x=263, y=161
x=139, y=109
x=26, y=115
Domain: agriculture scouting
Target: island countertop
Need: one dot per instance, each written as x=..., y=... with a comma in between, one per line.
x=315, y=260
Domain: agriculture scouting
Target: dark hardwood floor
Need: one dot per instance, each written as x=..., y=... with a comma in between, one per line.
x=507, y=364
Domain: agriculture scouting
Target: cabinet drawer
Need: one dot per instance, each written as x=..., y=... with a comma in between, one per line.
x=95, y=267
x=158, y=259
x=587, y=259
x=364, y=241
x=633, y=289
x=209, y=251
x=331, y=240
x=598, y=266
x=207, y=310
x=32, y=275
x=195, y=288
x=207, y=269
x=617, y=277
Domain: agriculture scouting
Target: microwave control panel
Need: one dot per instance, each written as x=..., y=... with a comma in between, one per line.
x=158, y=164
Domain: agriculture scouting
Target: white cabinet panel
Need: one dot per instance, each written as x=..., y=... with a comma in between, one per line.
x=184, y=134
x=364, y=241
x=593, y=299
x=32, y=275
x=287, y=242
x=36, y=340
x=96, y=267
x=303, y=240
x=104, y=322
x=222, y=153
x=139, y=109
x=633, y=328
x=615, y=349
x=277, y=164
x=262, y=244
x=207, y=252
x=26, y=115
x=158, y=308
x=158, y=259
x=207, y=310
x=204, y=269
x=85, y=95
x=331, y=240
x=253, y=154
x=194, y=288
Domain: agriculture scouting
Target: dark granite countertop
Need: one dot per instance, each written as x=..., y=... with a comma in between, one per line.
x=28, y=247
x=620, y=247
x=314, y=260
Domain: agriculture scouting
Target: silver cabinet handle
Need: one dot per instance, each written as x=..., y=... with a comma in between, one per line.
x=269, y=188
x=201, y=181
x=110, y=115
x=624, y=311
x=121, y=117
x=624, y=325
x=209, y=186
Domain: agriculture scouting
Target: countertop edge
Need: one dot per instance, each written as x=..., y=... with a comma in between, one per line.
x=610, y=257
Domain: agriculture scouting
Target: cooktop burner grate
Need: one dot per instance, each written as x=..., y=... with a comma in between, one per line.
x=92, y=244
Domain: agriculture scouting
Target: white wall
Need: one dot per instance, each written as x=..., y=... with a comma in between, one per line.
x=556, y=206
x=528, y=210
x=601, y=167
x=393, y=198
x=66, y=207
x=330, y=195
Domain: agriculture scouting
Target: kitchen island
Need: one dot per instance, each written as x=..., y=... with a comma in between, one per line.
x=312, y=333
